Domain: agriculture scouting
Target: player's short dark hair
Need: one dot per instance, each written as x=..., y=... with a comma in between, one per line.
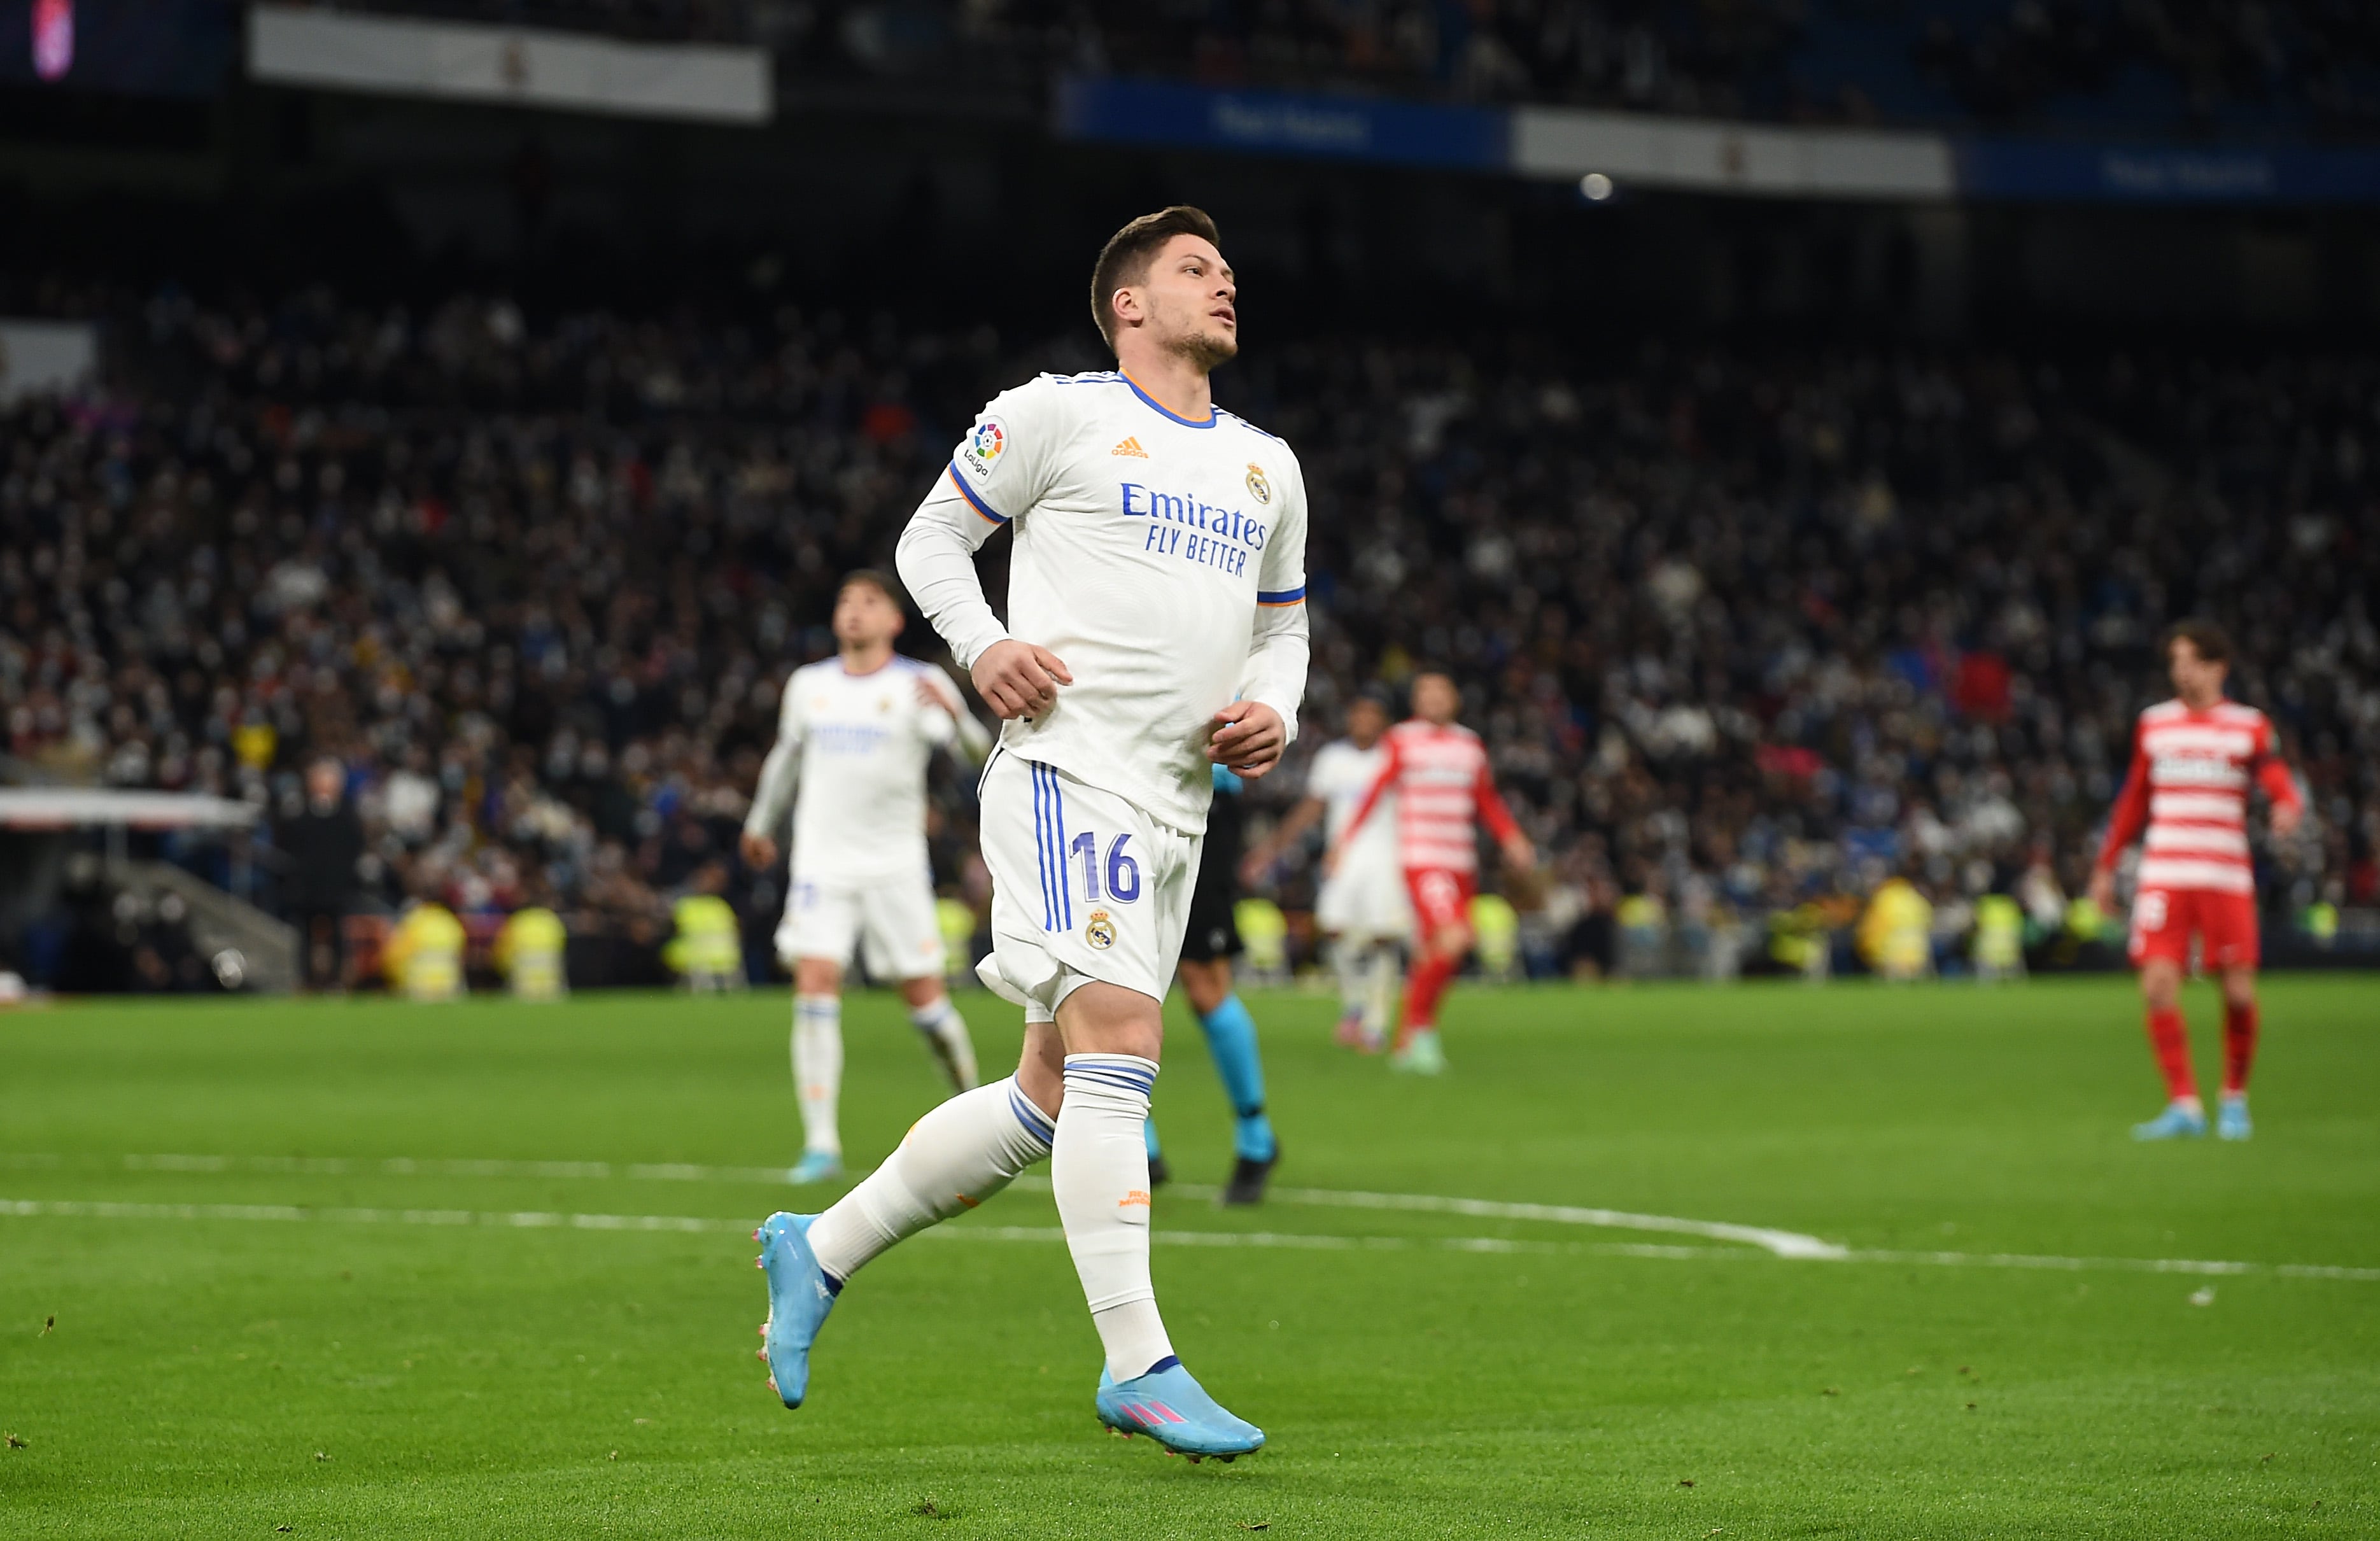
x=2209, y=641
x=883, y=583
x=1124, y=260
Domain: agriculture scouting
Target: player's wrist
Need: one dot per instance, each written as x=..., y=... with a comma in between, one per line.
x=976, y=653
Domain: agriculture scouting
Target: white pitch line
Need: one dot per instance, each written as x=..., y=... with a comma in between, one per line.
x=1268, y=1240
x=1783, y=1243
x=398, y=1165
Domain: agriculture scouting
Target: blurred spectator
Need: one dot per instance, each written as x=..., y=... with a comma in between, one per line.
x=324, y=841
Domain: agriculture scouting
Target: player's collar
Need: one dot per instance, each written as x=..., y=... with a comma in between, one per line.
x=1213, y=416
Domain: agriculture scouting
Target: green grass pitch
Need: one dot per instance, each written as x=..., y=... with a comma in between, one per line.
x=312, y=1337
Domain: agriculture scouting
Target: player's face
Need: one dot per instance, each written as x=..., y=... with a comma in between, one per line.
x=865, y=616
x=2194, y=678
x=1366, y=722
x=1189, y=301
x=1435, y=700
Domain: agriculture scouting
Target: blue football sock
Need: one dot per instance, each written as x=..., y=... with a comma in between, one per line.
x=1232, y=1039
x=1149, y=1137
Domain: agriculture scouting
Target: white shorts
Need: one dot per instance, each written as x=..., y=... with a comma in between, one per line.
x=892, y=916
x=1365, y=898
x=1084, y=886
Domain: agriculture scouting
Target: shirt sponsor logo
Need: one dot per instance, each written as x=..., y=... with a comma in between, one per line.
x=1180, y=525
x=984, y=447
x=1259, y=488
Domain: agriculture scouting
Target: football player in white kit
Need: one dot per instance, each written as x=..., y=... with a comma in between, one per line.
x=854, y=734
x=1362, y=906
x=1156, y=628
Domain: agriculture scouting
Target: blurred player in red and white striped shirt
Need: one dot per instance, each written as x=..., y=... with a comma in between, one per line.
x=2192, y=761
x=1438, y=769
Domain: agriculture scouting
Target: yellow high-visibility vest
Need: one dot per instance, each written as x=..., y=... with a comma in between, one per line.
x=529, y=950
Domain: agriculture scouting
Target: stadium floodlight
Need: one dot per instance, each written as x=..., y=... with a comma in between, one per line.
x=1597, y=188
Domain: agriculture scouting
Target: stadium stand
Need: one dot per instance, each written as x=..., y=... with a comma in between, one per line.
x=1745, y=633
x=2195, y=65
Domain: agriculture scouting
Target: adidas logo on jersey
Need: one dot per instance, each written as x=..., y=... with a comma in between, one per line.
x=1130, y=446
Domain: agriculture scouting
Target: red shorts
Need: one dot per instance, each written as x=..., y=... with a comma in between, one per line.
x=2164, y=919
x=1441, y=897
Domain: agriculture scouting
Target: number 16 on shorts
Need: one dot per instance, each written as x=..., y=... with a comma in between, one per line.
x=1083, y=876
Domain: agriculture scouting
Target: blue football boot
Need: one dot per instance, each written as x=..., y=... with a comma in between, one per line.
x=2177, y=1122
x=2231, y=1121
x=816, y=1166
x=1175, y=1411
x=800, y=1296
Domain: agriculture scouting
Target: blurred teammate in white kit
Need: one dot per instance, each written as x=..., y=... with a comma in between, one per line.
x=1362, y=906
x=855, y=734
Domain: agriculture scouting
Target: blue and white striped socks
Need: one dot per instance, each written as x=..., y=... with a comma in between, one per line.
x=1099, y=1175
x=958, y=1154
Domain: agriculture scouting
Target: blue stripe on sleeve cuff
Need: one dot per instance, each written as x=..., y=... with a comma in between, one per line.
x=1278, y=596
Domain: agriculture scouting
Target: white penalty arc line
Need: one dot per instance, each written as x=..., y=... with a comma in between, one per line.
x=542, y=1219
x=1783, y=1243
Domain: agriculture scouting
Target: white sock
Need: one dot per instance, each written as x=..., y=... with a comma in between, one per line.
x=1388, y=983
x=1100, y=1173
x=1351, y=957
x=818, y=1068
x=958, y=1154
x=947, y=1040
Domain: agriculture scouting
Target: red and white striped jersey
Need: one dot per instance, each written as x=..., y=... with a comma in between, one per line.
x=2189, y=786
x=1441, y=778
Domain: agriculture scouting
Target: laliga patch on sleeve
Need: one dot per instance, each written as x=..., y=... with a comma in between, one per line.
x=984, y=447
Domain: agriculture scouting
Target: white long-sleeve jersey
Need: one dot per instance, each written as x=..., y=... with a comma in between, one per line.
x=1162, y=559
x=1341, y=775
x=855, y=747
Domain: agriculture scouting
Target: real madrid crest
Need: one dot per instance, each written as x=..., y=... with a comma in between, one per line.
x=1259, y=488
x=1099, y=931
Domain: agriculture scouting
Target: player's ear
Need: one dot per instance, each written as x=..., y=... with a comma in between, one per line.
x=1125, y=305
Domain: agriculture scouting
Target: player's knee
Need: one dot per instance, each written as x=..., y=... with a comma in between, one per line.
x=1100, y=1018
x=817, y=977
x=2160, y=985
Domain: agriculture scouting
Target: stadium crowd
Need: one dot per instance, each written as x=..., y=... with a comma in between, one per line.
x=1746, y=632
x=2298, y=63
x=2291, y=64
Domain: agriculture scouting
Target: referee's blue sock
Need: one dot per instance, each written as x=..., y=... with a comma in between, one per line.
x=1232, y=1039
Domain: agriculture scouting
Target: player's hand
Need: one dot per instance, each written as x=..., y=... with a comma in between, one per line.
x=1018, y=679
x=2103, y=890
x=2287, y=818
x=1519, y=854
x=1330, y=862
x=760, y=851
x=1248, y=738
x=935, y=691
